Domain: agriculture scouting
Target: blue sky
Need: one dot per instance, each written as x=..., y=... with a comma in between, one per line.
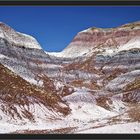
x=55, y=26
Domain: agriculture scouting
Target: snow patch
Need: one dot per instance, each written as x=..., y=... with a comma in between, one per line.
x=118, y=128
x=84, y=103
x=132, y=44
x=3, y=56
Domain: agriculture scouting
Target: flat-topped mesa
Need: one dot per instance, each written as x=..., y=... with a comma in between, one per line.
x=17, y=38
x=93, y=39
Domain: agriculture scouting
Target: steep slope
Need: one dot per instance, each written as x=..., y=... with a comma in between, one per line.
x=22, y=103
x=102, y=40
x=16, y=38
x=110, y=71
x=92, y=83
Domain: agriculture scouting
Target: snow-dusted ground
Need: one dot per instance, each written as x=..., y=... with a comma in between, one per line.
x=84, y=103
x=132, y=44
x=71, y=52
x=112, y=129
x=44, y=119
x=56, y=54
x=84, y=112
x=84, y=127
x=121, y=81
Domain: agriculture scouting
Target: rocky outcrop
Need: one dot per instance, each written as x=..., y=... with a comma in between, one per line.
x=101, y=40
x=93, y=80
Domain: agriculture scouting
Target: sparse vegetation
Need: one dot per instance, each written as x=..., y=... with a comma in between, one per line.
x=104, y=102
x=16, y=91
x=67, y=130
x=81, y=83
x=133, y=86
x=134, y=113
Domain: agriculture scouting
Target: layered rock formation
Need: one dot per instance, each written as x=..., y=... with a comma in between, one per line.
x=94, y=82
x=103, y=40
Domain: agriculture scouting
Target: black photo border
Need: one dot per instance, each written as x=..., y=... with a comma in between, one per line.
x=69, y=3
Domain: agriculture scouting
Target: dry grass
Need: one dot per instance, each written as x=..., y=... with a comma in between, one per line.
x=104, y=102
x=86, y=66
x=67, y=130
x=133, y=86
x=81, y=83
x=16, y=91
x=114, y=73
x=134, y=113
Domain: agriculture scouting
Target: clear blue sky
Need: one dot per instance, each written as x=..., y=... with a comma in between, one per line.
x=55, y=26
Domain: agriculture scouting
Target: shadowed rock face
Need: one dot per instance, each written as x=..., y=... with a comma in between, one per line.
x=95, y=78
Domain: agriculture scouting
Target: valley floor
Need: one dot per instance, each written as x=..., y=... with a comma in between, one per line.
x=118, y=128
